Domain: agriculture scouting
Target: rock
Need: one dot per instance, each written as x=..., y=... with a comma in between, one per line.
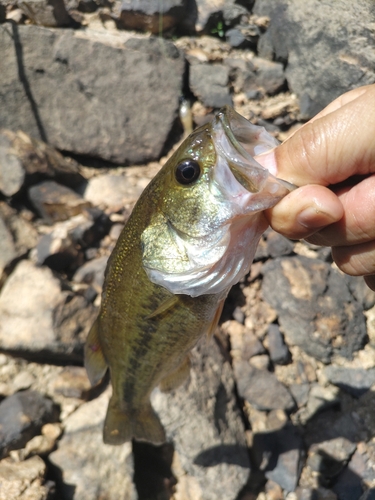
x=7, y=247
x=38, y=319
x=92, y=273
x=23, y=480
x=72, y=382
x=278, y=455
x=279, y=353
x=205, y=427
x=23, y=233
x=112, y=190
x=278, y=245
x=368, y=495
x=88, y=468
x=327, y=60
x=261, y=388
x=147, y=15
x=55, y=202
x=46, y=12
x=300, y=393
x=329, y=457
x=349, y=484
x=209, y=83
x=21, y=417
x=310, y=307
x=11, y=171
x=355, y=381
x=235, y=37
x=244, y=344
x=118, y=84
x=62, y=248
x=2, y=13
x=24, y=158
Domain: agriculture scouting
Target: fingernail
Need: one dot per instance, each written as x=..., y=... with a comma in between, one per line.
x=268, y=161
x=314, y=218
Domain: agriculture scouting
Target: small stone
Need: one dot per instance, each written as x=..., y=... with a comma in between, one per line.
x=279, y=353
x=12, y=173
x=46, y=12
x=235, y=37
x=23, y=480
x=209, y=83
x=7, y=246
x=300, y=393
x=21, y=417
x=110, y=190
x=348, y=485
x=355, y=381
x=329, y=457
x=93, y=469
x=316, y=310
x=261, y=361
x=72, y=382
x=321, y=398
x=55, y=202
x=278, y=454
x=147, y=15
x=23, y=380
x=92, y=273
x=244, y=344
x=261, y=388
x=278, y=245
x=273, y=491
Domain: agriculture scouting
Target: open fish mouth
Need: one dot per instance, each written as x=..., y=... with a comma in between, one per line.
x=238, y=141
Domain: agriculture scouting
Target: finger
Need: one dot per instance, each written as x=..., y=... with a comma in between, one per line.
x=357, y=226
x=330, y=148
x=304, y=211
x=356, y=260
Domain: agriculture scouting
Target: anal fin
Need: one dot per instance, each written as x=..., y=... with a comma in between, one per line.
x=177, y=377
x=95, y=364
x=141, y=424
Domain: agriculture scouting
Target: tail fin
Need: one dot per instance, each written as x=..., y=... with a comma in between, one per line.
x=142, y=424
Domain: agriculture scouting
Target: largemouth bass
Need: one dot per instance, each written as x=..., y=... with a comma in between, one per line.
x=191, y=236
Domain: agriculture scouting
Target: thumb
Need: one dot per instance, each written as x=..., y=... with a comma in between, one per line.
x=336, y=144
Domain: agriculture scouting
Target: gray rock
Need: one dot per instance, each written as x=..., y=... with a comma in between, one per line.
x=261, y=388
x=355, y=381
x=24, y=480
x=335, y=49
x=38, y=319
x=21, y=230
x=11, y=171
x=349, y=483
x=269, y=75
x=88, y=468
x=279, y=352
x=54, y=202
x=368, y=495
x=21, y=417
x=127, y=93
x=329, y=457
x=279, y=454
x=148, y=15
x=7, y=247
x=92, y=273
x=209, y=82
x=202, y=421
x=46, y=12
x=316, y=309
x=23, y=158
x=300, y=393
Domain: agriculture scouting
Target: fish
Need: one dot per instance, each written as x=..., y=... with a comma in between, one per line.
x=191, y=236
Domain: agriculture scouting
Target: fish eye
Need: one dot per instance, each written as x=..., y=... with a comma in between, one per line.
x=187, y=171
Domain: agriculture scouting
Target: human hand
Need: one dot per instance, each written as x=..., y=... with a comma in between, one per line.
x=336, y=149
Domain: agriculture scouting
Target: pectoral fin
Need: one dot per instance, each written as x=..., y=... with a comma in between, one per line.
x=95, y=364
x=216, y=318
x=177, y=377
x=164, y=307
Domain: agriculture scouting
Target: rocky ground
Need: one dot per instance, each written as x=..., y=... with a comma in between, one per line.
x=280, y=404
